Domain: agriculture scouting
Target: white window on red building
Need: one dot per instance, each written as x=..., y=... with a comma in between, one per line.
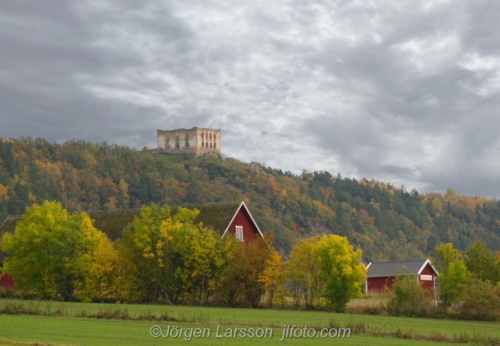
x=239, y=232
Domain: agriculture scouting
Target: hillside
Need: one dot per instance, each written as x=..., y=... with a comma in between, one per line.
x=388, y=223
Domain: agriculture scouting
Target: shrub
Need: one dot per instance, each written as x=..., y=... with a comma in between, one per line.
x=409, y=298
x=7, y=292
x=481, y=301
x=116, y=314
x=18, y=308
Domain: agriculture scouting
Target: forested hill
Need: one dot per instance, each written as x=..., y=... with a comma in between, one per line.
x=388, y=223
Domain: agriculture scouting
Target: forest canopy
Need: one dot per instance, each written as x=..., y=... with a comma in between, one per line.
x=386, y=222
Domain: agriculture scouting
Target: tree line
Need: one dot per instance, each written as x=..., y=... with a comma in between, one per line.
x=469, y=286
x=168, y=258
x=387, y=222
x=470, y=279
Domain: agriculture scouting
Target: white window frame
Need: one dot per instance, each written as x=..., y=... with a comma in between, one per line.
x=239, y=233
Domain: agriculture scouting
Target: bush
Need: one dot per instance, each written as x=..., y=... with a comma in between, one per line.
x=409, y=298
x=481, y=301
x=7, y=292
x=19, y=308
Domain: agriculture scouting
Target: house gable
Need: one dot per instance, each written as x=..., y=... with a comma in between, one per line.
x=242, y=218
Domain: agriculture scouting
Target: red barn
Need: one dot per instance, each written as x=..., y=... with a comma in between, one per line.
x=6, y=281
x=382, y=274
x=232, y=218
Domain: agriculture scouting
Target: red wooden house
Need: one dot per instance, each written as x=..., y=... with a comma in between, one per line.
x=381, y=275
x=231, y=218
x=228, y=218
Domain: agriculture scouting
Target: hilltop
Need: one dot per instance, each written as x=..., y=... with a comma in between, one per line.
x=388, y=223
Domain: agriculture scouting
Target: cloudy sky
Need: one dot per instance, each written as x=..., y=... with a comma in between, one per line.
x=406, y=92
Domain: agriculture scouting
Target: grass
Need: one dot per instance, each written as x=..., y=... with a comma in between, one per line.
x=82, y=331
x=111, y=324
x=5, y=342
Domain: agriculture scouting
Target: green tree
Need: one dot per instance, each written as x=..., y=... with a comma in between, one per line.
x=481, y=263
x=48, y=249
x=341, y=271
x=453, y=281
x=145, y=257
x=445, y=255
x=202, y=255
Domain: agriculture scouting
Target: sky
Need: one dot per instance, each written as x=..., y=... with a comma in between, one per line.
x=404, y=92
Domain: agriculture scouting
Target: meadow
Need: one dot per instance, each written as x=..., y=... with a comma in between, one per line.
x=43, y=322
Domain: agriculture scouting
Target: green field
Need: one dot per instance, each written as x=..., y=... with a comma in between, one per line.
x=66, y=329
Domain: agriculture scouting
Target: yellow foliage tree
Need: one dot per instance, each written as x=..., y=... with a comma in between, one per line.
x=303, y=273
x=274, y=278
x=341, y=271
x=48, y=250
x=101, y=274
x=170, y=258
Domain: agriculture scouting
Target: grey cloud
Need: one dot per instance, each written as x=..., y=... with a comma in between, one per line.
x=402, y=92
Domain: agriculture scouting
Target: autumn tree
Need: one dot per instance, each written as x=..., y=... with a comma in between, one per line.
x=303, y=272
x=445, y=255
x=387, y=222
x=146, y=258
x=202, y=255
x=239, y=284
x=123, y=194
x=48, y=249
x=102, y=274
x=274, y=278
x=341, y=271
x=171, y=258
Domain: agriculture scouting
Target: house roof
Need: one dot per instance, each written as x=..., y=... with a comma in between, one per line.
x=112, y=222
x=398, y=268
x=215, y=215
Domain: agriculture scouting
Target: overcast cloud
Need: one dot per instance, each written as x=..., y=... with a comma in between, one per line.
x=406, y=92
